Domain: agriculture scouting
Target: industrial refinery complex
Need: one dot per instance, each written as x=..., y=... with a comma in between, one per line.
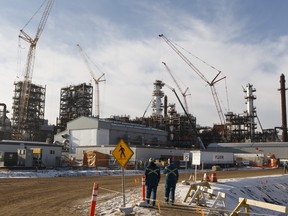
x=81, y=138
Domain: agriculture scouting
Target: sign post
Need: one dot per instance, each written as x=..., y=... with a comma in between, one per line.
x=122, y=153
x=196, y=160
x=186, y=159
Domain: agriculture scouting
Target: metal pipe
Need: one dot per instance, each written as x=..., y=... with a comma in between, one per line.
x=165, y=106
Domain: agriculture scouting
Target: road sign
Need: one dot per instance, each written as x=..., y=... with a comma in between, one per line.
x=196, y=157
x=122, y=153
x=186, y=156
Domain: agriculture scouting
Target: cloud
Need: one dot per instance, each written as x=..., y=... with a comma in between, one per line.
x=130, y=53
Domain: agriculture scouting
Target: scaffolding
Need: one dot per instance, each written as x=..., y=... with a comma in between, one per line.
x=75, y=101
x=5, y=125
x=242, y=127
x=34, y=119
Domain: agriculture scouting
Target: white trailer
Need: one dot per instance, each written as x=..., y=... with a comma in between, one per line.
x=209, y=159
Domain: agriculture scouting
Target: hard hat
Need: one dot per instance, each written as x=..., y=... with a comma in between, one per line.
x=169, y=160
x=151, y=160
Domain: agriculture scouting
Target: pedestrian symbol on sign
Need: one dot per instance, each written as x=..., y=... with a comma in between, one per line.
x=122, y=152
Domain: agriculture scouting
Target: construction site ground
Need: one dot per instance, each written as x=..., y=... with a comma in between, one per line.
x=64, y=196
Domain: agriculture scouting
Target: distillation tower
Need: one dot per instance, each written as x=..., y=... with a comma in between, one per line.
x=158, y=94
x=250, y=111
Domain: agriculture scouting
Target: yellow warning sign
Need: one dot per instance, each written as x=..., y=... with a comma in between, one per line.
x=122, y=153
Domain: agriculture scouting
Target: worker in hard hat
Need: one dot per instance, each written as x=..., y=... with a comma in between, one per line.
x=171, y=179
x=152, y=174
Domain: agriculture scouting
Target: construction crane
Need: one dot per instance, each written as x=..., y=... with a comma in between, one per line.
x=96, y=80
x=195, y=69
x=26, y=85
x=184, y=93
x=199, y=140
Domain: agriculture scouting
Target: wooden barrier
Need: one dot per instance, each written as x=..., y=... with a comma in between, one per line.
x=199, y=198
x=193, y=187
x=220, y=198
x=246, y=203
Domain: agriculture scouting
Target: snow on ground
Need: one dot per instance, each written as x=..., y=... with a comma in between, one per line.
x=270, y=189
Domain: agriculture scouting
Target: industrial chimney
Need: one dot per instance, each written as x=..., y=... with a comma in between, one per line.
x=283, y=108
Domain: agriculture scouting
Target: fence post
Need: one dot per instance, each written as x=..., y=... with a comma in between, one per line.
x=93, y=199
x=143, y=188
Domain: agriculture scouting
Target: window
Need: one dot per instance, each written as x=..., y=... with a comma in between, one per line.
x=52, y=152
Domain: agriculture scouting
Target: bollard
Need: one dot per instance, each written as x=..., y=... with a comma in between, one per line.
x=93, y=199
x=143, y=188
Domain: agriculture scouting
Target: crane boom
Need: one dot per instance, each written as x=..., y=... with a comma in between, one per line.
x=195, y=69
x=178, y=86
x=96, y=80
x=26, y=85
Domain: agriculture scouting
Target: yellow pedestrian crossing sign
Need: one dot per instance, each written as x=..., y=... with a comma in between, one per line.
x=122, y=153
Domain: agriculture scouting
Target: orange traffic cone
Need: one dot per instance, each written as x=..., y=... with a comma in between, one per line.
x=213, y=177
x=206, y=177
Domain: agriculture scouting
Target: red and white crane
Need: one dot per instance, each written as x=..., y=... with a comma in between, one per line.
x=184, y=93
x=96, y=81
x=26, y=85
x=195, y=69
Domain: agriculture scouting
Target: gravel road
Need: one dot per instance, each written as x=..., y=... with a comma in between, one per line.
x=62, y=196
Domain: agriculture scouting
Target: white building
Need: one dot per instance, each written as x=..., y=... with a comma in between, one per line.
x=92, y=132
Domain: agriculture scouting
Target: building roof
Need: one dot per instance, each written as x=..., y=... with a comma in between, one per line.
x=84, y=122
x=256, y=144
x=30, y=143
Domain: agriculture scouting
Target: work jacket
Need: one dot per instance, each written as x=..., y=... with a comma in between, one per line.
x=152, y=174
x=172, y=174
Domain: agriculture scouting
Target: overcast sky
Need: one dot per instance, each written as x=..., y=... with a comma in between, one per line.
x=246, y=40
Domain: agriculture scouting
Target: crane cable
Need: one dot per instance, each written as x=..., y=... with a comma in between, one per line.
x=33, y=15
x=197, y=57
x=211, y=66
x=227, y=96
x=19, y=62
x=19, y=58
x=93, y=63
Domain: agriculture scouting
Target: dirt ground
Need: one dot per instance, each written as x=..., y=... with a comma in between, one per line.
x=61, y=195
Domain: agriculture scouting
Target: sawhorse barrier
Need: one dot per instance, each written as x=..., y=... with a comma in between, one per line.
x=193, y=187
x=197, y=193
x=246, y=203
x=199, y=199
